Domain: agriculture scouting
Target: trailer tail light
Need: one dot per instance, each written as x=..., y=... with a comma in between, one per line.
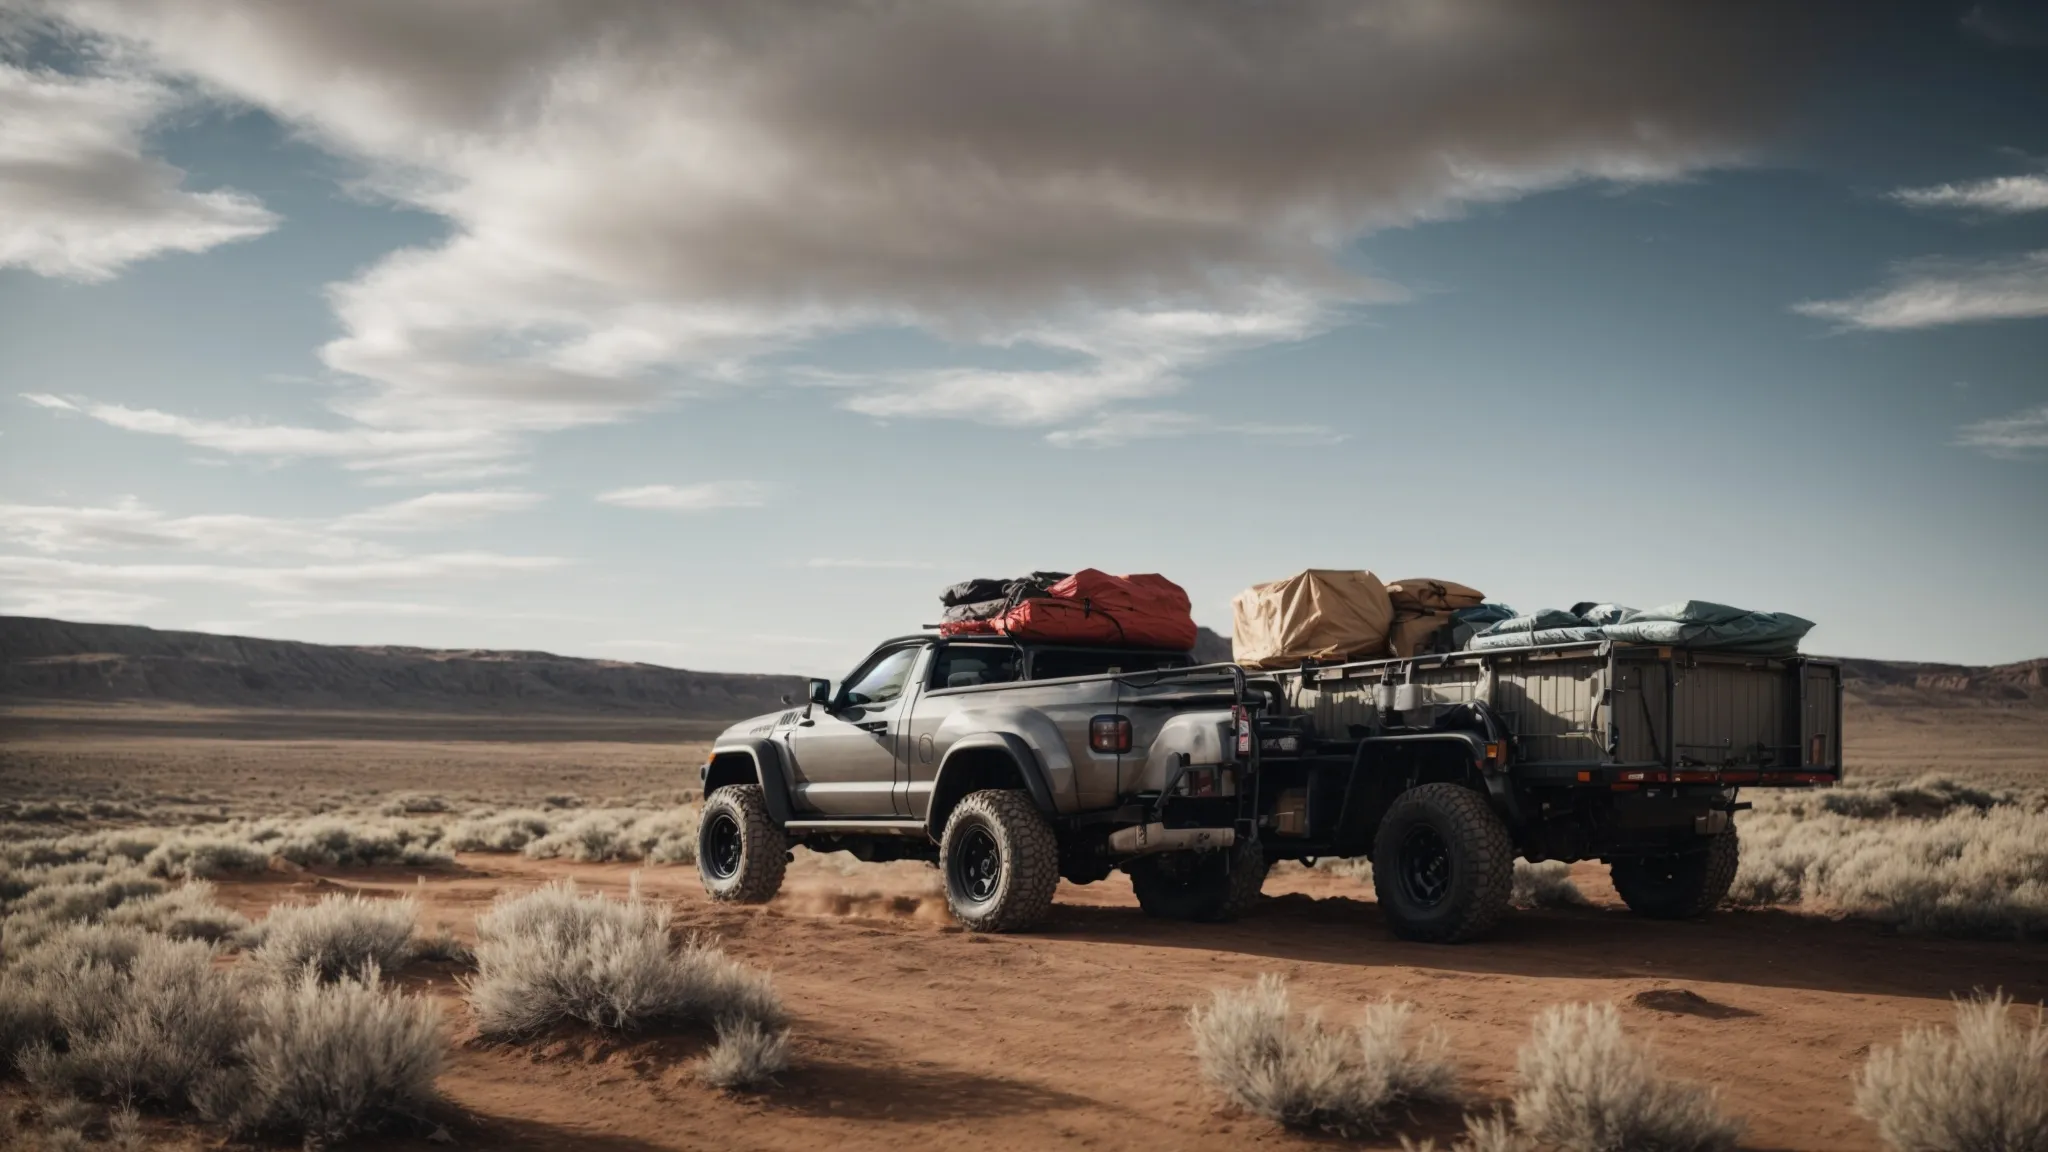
x=1241, y=722
x=1818, y=754
x=1109, y=734
x=1493, y=753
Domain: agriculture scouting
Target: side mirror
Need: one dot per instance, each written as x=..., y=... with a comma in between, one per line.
x=821, y=691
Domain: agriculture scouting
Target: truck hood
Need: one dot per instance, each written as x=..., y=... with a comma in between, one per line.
x=755, y=727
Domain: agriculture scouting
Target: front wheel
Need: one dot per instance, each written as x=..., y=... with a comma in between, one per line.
x=1001, y=862
x=1207, y=886
x=741, y=853
x=1442, y=865
x=1681, y=886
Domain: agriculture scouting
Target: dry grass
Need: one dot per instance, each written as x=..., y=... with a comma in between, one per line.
x=1933, y=857
x=668, y=837
x=748, y=1054
x=1981, y=1086
x=1545, y=885
x=1302, y=1073
x=343, y=936
x=325, y=1061
x=554, y=954
x=1585, y=1087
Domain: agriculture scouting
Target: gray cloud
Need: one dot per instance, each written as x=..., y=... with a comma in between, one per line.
x=78, y=198
x=2019, y=435
x=644, y=196
x=2006, y=195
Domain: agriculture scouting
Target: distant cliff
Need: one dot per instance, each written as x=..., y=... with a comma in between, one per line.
x=56, y=660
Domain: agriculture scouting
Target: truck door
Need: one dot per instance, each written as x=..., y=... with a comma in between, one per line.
x=848, y=754
x=955, y=665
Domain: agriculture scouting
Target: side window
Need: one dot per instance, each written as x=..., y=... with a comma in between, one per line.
x=966, y=665
x=883, y=678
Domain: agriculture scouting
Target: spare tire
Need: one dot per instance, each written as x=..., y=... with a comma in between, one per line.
x=1222, y=884
x=1679, y=886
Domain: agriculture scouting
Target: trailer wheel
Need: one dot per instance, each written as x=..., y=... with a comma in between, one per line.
x=1001, y=862
x=1680, y=886
x=1442, y=865
x=741, y=853
x=1204, y=886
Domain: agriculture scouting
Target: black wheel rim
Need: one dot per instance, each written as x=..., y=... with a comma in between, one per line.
x=977, y=865
x=721, y=847
x=1425, y=866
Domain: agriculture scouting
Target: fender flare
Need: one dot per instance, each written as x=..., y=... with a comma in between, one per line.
x=1019, y=752
x=768, y=771
x=1500, y=790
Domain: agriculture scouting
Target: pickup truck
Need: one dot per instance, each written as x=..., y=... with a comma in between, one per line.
x=1013, y=765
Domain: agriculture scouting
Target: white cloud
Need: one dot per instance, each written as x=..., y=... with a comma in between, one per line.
x=128, y=523
x=45, y=400
x=298, y=580
x=450, y=452
x=880, y=565
x=1928, y=293
x=643, y=197
x=90, y=604
x=2016, y=436
x=436, y=510
x=1109, y=429
x=2003, y=194
x=692, y=497
x=79, y=200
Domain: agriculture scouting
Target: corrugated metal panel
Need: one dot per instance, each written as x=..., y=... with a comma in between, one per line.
x=1732, y=714
x=1638, y=712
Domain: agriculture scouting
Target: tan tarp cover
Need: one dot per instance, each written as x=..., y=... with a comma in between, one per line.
x=1410, y=632
x=1320, y=614
x=1412, y=597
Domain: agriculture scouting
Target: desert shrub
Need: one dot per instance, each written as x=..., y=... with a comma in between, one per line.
x=149, y=1029
x=323, y=1062
x=355, y=842
x=1932, y=795
x=1982, y=1085
x=497, y=832
x=205, y=857
x=747, y=1055
x=666, y=837
x=49, y=908
x=554, y=955
x=187, y=912
x=413, y=804
x=1300, y=1072
x=344, y=935
x=1583, y=1085
x=1545, y=885
x=1969, y=872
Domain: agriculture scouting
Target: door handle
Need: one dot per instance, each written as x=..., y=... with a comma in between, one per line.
x=873, y=725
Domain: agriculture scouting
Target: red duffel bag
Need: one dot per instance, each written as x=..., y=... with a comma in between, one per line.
x=1093, y=607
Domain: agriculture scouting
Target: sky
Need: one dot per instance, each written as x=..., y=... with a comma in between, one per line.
x=724, y=336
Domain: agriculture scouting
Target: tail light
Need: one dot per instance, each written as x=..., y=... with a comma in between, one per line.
x=1109, y=734
x=1241, y=722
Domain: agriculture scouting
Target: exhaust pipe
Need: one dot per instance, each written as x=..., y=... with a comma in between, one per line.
x=1144, y=839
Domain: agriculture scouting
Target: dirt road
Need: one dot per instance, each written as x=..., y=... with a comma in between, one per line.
x=912, y=1034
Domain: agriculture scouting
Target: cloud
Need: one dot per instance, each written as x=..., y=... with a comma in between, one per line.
x=1928, y=293
x=1110, y=429
x=436, y=510
x=93, y=604
x=644, y=197
x=299, y=580
x=2008, y=195
x=2017, y=436
x=79, y=200
x=129, y=524
x=691, y=498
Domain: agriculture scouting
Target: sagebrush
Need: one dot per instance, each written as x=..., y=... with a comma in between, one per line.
x=1581, y=1084
x=344, y=935
x=1981, y=1085
x=1301, y=1072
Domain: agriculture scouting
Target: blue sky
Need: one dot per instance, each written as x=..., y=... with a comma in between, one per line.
x=723, y=337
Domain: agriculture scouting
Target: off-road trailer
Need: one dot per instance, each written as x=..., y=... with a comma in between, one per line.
x=1443, y=768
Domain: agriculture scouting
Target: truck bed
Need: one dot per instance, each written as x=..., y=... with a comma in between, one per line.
x=1614, y=710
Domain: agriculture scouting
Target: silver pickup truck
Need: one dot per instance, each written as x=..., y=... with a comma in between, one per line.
x=1013, y=765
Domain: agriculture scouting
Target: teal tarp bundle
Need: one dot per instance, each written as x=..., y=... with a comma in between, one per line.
x=1698, y=624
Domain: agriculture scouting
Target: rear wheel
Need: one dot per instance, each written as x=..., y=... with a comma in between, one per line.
x=1001, y=862
x=1207, y=886
x=1679, y=886
x=1442, y=865
x=741, y=853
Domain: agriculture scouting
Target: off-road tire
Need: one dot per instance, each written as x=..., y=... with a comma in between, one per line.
x=1204, y=886
x=749, y=872
x=1000, y=861
x=1679, y=887
x=1442, y=865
